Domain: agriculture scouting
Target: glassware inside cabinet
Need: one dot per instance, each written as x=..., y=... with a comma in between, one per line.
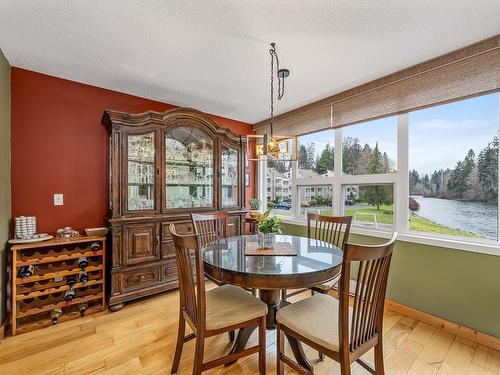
x=189, y=168
x=141, y=171
x=229, y=175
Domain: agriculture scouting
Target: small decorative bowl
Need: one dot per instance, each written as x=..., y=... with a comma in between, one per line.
x=96, y=232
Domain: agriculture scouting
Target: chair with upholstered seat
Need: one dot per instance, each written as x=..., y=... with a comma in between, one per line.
x=209, y=313
x=333, y=230
x=211, y=227
x=334, y=328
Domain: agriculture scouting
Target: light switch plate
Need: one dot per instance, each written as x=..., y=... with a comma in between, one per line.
x=58, y=199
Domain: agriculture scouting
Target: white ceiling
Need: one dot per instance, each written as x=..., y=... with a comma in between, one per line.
x=213, y=55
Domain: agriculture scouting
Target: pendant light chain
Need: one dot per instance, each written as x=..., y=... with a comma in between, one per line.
x=281, y=85
x=275, y=147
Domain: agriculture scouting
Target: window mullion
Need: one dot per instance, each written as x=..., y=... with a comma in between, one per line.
x=295, y=202
x=262, y=184
x=401, y=189
x=338, y=201
x=498, y=161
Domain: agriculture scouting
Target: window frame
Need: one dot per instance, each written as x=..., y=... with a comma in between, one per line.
x=400, y=182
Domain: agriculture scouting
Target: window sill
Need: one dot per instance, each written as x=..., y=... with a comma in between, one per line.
x=457, y=244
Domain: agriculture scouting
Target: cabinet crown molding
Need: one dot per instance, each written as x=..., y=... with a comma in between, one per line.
x=114, y=119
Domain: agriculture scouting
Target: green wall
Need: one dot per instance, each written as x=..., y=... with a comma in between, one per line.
x=4, y=176
x=459, y=286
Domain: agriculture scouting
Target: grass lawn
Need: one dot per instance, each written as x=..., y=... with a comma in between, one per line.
x=420, y=224
x=384, y=215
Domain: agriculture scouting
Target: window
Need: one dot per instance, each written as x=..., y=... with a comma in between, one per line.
x=279, y=190
x=317, y=199
x=371, y=206
x=278, y=181
x=370, y=147
x=432, y=171
x=453, y=168
x=316, y=154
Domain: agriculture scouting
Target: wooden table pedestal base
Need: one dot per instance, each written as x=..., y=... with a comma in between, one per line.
x=272, y=298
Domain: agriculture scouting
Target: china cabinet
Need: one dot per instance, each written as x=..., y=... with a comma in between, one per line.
x=162, y=167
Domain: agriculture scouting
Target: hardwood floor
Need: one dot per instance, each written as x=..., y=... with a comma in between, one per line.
x=140, y=339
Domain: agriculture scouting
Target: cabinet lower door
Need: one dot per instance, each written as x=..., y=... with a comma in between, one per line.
x=141, y=243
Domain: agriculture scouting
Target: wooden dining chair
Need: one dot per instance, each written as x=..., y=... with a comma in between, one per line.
x=210, y=227
x=331, y=326
x=331, y=229
x=209, y=313
x=334, y=230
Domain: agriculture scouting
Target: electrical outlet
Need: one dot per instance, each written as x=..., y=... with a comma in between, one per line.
x=58, y=199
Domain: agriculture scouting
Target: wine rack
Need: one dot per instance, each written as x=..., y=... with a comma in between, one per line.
x=56, y=280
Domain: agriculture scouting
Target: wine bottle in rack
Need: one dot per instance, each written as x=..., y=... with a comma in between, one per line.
x=69, y=295
x=95, y=246
x=54, y=315
x=26, y=271
x=71, y=280
x=82, y=308
x=84, y=277
x=83, y=262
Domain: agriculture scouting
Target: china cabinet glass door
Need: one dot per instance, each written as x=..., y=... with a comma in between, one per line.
x=229, y=177
x=189, y=168
x=141, y=171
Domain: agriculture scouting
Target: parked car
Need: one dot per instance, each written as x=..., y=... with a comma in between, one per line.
x=283, y=206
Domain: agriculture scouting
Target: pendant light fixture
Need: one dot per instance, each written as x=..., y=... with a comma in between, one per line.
x=272, y=146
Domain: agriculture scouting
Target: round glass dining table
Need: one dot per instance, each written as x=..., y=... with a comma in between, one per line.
x=315, y=262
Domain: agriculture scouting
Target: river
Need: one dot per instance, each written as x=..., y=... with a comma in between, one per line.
x=474, y=217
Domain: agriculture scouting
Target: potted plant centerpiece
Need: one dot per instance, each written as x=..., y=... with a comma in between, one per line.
x=268, y=228
x=255, y=205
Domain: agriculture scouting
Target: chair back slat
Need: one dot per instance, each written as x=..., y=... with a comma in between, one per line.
x=368, y=295
x=332, y=229
x=191, y=277
x=210, y=227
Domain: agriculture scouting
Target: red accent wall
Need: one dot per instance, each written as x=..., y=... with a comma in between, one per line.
x=60, y=146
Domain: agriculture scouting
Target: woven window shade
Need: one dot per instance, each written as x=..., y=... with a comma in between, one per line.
x=316, y=119
x=467, y=72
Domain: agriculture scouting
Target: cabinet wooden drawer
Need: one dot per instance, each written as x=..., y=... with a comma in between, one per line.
x=167, y=245
x=140, y=278
x=141, y=243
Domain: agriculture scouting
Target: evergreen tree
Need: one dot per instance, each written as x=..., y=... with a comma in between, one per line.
x=414, y=181
x=487, y=171
x=426, y=182
x=311, y=156
x=377, y=194
x=351, y=156
x=375, y=163
x=325, y=161
x=302, y=156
